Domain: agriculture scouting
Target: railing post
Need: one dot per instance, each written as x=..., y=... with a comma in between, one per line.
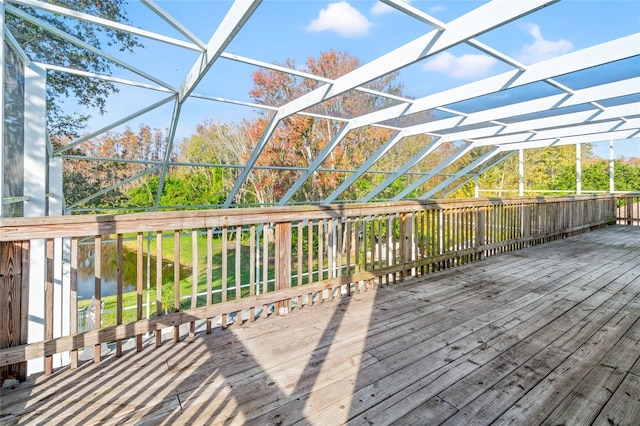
x=14, y=302
x=406, y=242
x=283, y=264
x=480, y=234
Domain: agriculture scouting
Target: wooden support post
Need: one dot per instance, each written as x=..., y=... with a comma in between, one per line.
x=480, y=228
x=14, y=302
x=405, y=241
x=283, y=264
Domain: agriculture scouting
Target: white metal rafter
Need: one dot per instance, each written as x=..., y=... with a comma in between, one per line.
x=478, y=21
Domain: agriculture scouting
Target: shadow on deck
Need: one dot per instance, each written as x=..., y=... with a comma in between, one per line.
x=548, y=334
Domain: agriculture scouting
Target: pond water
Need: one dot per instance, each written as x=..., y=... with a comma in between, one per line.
x=86, y=262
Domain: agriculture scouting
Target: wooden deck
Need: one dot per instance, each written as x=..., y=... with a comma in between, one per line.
x=549, y=334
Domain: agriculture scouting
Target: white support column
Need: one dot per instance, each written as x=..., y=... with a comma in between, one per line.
x=477, y=187
x=2, y=64
x=578, y=169
x=35, y=189
x=521, y=172
x=612, y=186
x=62, y=271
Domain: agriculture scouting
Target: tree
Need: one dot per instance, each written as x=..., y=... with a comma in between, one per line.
x=215, y=145
x=545, y=169
x=300, y=138
x=43, y=46
x=90, y=170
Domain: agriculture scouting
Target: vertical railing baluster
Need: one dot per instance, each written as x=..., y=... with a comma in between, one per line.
x=252, y=269
x=159, y=271
x=194, y=277
x=119, y=284
x=299, y=259
x=73, y=285
x=209, y=274
x=310, y=259
x=348, y=243
x=320, y=257
x=330, y=253
x=48, y=303
x=238, y=279
x=265, y=267
x=357, y=245
x=176, y=281
x=338, y=251
x=98, y=292
x=139, y=279
x=223, y=287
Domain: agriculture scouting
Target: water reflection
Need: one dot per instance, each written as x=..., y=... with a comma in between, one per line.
x=86, y=262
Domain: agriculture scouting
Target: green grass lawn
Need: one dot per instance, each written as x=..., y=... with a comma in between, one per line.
x=186, y=276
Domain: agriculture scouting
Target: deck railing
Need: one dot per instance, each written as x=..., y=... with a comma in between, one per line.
x=221, y=266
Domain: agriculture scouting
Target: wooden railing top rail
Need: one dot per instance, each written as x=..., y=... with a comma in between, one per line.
x=17, y=229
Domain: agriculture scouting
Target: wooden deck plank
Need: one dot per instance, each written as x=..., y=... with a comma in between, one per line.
x=624, y=406
x=548, y=394
x=522, y=338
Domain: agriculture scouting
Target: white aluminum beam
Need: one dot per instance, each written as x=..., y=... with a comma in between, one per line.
x=13, y=43
x=302, y=74
x=173, y=22
x=112, y=79
x=85, y=138
x=404, y=169
x=612, y=173
x=106, y=23
x=610, y=90
x=604, y=53
x=446, y=163
x=114, y=186
x=236, y=17
x=475, y=177
x=560, y=132
x=460, y=173
x=393, y=140
x=315, y=164
x=572, y=140
x=50, y=28
x=478, y=21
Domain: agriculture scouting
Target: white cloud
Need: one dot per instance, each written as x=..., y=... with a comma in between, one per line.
x=381, y=8
x=342, y=18
x=465, y=66
x=542, y=49
x=437, y=8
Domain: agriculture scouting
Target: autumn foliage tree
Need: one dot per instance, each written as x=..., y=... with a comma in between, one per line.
x=108, y=161
x=299, y=138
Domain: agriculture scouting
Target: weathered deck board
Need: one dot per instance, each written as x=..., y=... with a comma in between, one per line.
x=549, y=334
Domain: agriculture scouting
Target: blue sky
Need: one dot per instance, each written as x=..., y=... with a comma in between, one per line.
x=298, y=29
